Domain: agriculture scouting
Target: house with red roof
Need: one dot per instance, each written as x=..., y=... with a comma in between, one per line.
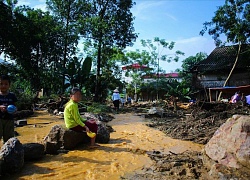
x=154, y=76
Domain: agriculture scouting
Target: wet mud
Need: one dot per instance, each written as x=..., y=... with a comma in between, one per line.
x=197, y=123
x=128, y=151
x=165, y=146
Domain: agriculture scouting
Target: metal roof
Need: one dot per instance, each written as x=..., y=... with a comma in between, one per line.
x=223, y=58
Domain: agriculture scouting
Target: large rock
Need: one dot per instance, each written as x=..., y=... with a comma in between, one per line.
x=230, y=147
x=33, y=151
x=103, y=133
x=156, y=111
x=60, y=138
x=11, y=157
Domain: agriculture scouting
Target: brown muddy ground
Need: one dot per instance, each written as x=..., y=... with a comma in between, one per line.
x=197, y=122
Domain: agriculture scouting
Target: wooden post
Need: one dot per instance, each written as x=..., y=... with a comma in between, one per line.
x=210, y=98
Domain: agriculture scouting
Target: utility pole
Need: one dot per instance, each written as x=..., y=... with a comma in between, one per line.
x=157, y=81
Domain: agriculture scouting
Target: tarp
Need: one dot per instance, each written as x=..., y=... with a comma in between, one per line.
x=242, y=89
x=230, y=90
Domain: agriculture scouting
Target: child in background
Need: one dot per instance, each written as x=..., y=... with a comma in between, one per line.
x=235, y=98
x=122, y=101
x=129, y=100
x=6, y=119
x=73, y=119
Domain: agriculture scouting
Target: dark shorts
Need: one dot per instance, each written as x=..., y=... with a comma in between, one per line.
x=92, y=127
x=116, y=103
x=6, y=129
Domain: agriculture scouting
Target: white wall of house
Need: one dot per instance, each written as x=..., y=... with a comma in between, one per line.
x=148, y=80
x=211, y=80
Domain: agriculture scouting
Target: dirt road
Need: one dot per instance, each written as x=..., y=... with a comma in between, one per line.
x=127, y=152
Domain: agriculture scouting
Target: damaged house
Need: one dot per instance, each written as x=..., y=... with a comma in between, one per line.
x=210, y=74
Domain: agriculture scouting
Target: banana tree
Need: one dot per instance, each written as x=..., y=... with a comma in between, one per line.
x=177, y=91
x=77, y=72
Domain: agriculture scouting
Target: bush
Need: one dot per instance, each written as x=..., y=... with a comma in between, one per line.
x=98, y=108
x=24, y=102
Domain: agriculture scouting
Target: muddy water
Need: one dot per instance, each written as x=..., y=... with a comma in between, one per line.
x=125, y=153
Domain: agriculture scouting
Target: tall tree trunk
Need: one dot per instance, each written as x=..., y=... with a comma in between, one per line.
x=65, y=45
x=97, y=84
x=231, y=72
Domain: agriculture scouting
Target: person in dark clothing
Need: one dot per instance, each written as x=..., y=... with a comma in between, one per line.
x=6, y=119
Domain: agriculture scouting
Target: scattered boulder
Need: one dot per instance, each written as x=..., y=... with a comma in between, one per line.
x=229, y=148
x=11, y=156
x=105, y=117
x=156, y=111
x=61, y=138
x=33, y=151
x=103, y=133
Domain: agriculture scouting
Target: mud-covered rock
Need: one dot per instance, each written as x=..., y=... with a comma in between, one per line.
x=103, y=133
x=60, y=138
x=11, y=157
x=33, y=151
x=230, y=146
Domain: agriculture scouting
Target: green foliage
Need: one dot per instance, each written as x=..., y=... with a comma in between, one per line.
x=188, y=65
x=98, y=108
x=178, y=90
x=77, y=72
x=232, y=20
x=107, y=25
x=157, y=49
x=33, y=43
x=23, y=92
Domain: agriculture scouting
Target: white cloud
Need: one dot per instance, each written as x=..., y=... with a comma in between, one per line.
x=40, y=6
x=143, y=10
x=23, y=2
x=193, y=45
x=171, y=16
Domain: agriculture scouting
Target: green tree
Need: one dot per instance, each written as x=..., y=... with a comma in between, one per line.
x=141, y=59
x=178, y=91
x=232, y=20
x=187, y=67
x=109, y=24
x=77, y=72
x=68, y=13
x=157, y=49
x=6, y=19
x=31, y=42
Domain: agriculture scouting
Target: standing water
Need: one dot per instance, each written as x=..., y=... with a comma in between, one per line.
x=125, y=153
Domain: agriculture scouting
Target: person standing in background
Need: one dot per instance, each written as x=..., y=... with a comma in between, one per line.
x=116, y=99
x=122, y=100
x=129, y=100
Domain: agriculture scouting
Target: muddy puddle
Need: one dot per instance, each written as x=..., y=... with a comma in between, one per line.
x=124, y=154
